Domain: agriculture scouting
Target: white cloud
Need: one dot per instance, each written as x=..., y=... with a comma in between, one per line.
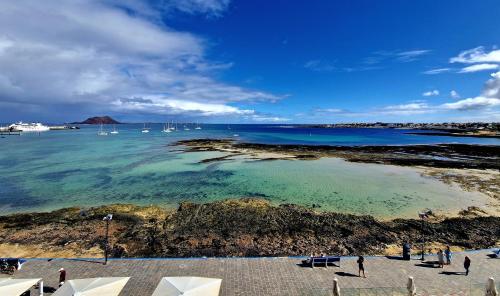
x=477, y=55
x=65, y=54
x=330, y=110
x=454, y=94
x=162, y=105
x=478, y=67
x=264, y=118
x=436, y=71
x=406, y=109
x=431, y=93
x=473, y=104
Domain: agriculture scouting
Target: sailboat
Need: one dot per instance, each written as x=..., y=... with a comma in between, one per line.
x=198, y=127
x=186, y=128
x=114, y=131
x=166, y=128
x=145, y=129
x=101, y=132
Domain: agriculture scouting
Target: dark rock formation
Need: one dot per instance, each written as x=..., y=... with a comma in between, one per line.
x=245, y=227
x=439, y=156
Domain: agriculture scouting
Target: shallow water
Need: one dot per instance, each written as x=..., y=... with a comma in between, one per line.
x=67, y=168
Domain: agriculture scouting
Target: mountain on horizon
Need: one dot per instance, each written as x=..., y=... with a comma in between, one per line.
x=98, y=120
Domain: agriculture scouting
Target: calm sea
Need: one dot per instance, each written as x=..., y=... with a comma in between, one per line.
x=78, y=168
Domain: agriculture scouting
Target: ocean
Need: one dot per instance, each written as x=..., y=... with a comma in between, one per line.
x=56, y=169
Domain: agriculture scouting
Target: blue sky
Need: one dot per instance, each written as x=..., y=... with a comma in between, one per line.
x=250, y=61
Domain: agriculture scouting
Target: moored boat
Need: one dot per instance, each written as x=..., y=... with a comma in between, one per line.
x=28, y=127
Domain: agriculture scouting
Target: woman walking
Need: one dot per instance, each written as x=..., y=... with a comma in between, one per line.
x=467, y=265
x=361, y=266
x=447, y=254
x=440, y=255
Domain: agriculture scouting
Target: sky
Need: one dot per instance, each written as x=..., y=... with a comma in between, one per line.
x=259, y=61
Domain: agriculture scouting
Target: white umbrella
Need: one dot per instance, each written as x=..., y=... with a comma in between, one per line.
x=109, y=286
x=412, y=290
x=491, y=289
x=15, y=287
x=336, y=288
x=188, y=286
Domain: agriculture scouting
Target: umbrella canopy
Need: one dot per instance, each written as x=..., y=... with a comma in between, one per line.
x=412, y=290
x=336, y=288
x=109, y=286
x=491, y=289
x=188, y=286
x=15, y=287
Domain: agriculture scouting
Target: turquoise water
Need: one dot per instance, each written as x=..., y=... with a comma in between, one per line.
x=78, y=168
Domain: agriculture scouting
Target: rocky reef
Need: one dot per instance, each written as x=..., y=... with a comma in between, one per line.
x=437, y=156
x=235, y=227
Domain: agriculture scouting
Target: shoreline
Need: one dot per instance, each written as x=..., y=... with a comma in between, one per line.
x=234, y=227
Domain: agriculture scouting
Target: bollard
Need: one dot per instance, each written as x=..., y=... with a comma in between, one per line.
x=491, y=289
x=336, y=288
x=410, y=286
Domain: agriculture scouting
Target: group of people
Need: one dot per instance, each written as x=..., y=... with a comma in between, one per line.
x=444, y=258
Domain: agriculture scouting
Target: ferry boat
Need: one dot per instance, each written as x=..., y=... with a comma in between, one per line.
x=28, y=127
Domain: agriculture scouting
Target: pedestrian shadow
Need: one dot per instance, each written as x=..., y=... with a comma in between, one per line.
x=48, y=289
x=452, y=273
x=428, y=264
x=341, y=273
x=308, y=265
x=80, y=260
x=396, y=258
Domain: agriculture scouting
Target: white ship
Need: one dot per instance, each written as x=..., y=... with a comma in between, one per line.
x=28, y=127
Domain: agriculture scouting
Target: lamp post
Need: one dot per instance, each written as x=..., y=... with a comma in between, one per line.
x=108, y=218
x=423, y=215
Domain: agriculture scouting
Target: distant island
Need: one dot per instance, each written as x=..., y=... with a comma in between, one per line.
x=98, y=120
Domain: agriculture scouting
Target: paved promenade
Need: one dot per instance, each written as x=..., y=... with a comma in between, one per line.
x=280, y=276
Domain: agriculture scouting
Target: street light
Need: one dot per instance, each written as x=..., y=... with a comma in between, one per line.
x=108, y=218
x=423, y=215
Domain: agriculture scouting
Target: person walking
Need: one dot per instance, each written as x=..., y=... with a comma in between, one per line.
x=447, y=254
x=62, y=276
x=440, y=255
x=361, y=266
x=467, y=265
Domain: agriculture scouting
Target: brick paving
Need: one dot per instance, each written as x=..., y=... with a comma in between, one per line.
x=276, y=276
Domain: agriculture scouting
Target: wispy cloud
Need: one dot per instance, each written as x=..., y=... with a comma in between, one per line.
x=478, y=67
x=412, y=55
x=319, y=66
x=379, y=57
x=437, y=71
x=431, y=93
